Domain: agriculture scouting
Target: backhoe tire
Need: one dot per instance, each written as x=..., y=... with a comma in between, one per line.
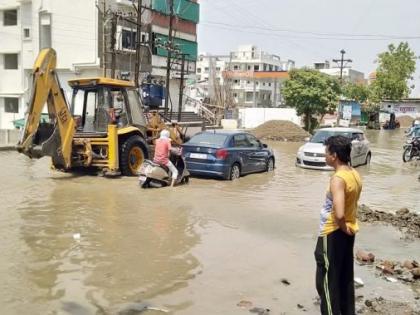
x=133, y=152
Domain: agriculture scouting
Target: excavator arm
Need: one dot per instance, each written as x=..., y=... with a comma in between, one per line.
x=55, y=138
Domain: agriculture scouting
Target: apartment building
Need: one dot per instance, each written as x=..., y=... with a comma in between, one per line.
x=348, y=74
x=254, y=76
x=82, y=36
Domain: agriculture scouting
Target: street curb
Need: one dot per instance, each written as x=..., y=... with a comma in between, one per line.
x=7, y=148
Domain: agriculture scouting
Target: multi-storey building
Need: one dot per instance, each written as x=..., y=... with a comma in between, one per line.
x=254, y=76
x=86, y=41
x=348, y=75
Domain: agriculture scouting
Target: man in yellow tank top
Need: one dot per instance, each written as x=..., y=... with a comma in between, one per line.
x=338, y=226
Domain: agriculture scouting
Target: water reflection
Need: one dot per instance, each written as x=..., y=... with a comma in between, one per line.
x=139, y=247
x=129, y=248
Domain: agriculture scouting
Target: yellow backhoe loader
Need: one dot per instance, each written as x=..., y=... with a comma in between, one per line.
x=104, y=127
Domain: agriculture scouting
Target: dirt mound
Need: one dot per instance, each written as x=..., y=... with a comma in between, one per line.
x=405, y=121
x=408, y=222
x=280, y=130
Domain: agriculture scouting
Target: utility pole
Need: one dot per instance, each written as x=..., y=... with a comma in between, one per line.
x=104, y=51
x=181, y=87
x=113, y=42
x=138, y=44
x=342, y=66
x=341, y=63
x=168, y=60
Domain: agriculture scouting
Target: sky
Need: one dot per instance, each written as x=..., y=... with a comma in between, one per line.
x=309, y=31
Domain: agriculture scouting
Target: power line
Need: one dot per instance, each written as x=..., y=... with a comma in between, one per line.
x=241, y=27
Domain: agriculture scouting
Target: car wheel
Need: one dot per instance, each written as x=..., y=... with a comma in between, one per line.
x=368, y=158
x=235, y=172
x=270, y=165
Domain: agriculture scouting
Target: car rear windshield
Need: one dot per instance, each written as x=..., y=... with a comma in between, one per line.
x=208, y=139
x=322, y=135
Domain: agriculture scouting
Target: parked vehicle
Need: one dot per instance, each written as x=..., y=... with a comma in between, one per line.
x=154, y=175
x=411, y=149
x=312, y=154
x=227, y=154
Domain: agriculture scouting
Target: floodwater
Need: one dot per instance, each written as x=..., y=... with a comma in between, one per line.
x=74, y=244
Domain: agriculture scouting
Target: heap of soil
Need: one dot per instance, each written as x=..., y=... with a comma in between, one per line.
x=405, y=121
x=280, y=130
x=408, y=222
x=381, y=306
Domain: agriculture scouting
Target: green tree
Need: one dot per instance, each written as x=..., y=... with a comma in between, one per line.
x=358, y=92
x=395, y=69
x=362, y=94
x=312, y=94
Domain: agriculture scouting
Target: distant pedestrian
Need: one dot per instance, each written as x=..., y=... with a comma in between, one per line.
x=334, y=248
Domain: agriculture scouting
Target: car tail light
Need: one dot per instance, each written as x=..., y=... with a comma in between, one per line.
x=222, y=154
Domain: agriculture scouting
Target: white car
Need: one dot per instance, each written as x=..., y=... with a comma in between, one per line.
x=312, y=154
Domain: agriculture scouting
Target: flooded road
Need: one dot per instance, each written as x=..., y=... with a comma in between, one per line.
x=90, y=245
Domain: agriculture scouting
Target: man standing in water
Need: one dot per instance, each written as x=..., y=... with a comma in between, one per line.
x=334, y=248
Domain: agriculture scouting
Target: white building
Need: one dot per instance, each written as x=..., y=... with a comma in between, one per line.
x=26, y=26
x=77, y=31
x=349, y=75
x=254, y=76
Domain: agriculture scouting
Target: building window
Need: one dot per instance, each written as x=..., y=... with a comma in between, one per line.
x=236, y=81
x=11, y=61
x=235, y=67
x=235, y=94
x=269, y=84
x=256, y=68
x=218, y=68
x=44, y=30
x=11, y=105
x=249, y=67
x=249, y=96
x=206, y=69
x=248, y=82
x=263, y=83
x=9, y=17
x=26, y=33
x=198, y=70
x=128, y=39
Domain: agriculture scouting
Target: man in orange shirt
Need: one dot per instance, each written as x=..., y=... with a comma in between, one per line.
x=162, y=153
x=338, y=226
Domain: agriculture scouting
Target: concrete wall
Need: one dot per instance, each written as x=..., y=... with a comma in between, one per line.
x=404, y=108
x=253, y=117
x=9, y=137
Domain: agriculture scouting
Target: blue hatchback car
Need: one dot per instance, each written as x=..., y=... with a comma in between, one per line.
x=227, y=154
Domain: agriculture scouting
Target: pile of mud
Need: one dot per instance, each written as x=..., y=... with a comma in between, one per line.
x=280, y=130
x=405, y=121
x=406, y=221
x=381, y=306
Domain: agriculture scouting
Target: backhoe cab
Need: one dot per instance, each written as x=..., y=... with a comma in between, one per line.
x=104, y=127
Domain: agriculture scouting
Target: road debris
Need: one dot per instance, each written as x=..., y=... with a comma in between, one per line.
x=358, y=282
x=364, y=257
x=285, y=281
x=260, y=311
x=244, y=304
x=405, y=220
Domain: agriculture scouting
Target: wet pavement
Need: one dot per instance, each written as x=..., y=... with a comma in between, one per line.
x=76, y=244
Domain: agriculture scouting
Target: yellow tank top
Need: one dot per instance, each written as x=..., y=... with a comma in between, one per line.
x=353, y=189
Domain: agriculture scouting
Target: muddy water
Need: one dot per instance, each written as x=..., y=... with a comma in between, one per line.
x=89, y=245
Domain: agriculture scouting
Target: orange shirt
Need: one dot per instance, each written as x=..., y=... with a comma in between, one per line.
x=162, y=149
